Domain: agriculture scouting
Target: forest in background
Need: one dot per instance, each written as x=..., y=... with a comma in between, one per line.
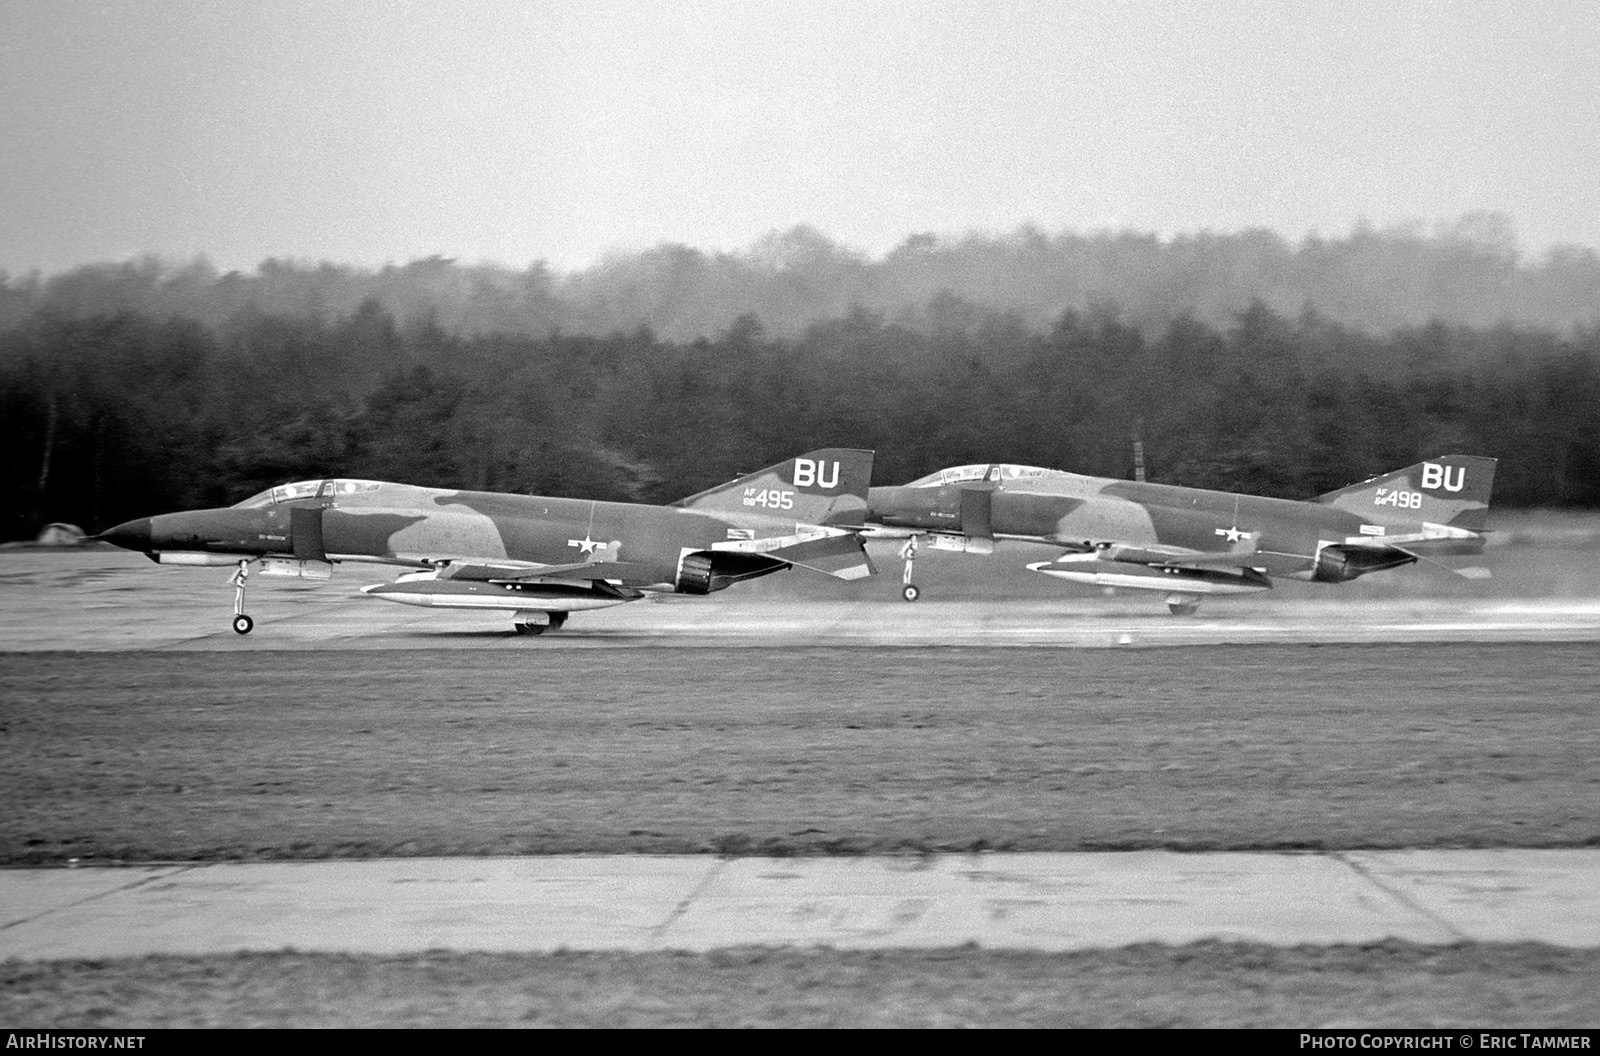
x=1469, y=271
x=127, y=412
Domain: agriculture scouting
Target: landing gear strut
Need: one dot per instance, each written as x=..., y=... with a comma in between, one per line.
x=241, y=622
x=909, y=553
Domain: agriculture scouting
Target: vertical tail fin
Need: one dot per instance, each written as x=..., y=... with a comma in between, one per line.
x=819, y=487
x=1451, y=489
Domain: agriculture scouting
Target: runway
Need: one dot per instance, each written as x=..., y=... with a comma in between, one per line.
x=101, y=599
x=1051, y=902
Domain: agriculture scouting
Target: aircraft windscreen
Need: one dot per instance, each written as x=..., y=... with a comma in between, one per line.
x=306, y=489
x=334, y=489
x=303, y=489
x=996, y=471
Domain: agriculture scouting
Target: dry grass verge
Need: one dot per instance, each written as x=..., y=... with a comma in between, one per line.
x=163, y=756
x=1202, y=985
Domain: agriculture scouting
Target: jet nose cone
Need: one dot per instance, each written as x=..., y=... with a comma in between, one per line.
x=130, y=535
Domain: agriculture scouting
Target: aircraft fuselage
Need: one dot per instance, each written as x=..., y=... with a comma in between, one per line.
x=432, y=526
x=1280, y=537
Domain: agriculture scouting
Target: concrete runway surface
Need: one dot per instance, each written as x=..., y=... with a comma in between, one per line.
x=104, y=599
x=101, y=599
x=1034, y=901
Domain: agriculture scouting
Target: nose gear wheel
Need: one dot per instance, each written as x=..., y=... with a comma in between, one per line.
x=241, y=623
x=909, y=553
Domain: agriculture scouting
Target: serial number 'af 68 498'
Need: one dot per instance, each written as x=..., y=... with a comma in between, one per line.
x=1405, y=500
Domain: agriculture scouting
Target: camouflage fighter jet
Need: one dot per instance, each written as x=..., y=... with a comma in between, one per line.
x=1189, y=543
x=539, y=558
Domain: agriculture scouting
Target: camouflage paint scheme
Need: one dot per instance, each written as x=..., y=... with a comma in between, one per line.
x=538, y=556
x=1190, y=542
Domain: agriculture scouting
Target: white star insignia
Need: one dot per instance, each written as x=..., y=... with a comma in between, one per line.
x=1233, y=534
x=586, y=545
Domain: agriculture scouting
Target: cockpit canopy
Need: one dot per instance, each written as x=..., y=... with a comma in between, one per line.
x=307, y=489
x=995, y=471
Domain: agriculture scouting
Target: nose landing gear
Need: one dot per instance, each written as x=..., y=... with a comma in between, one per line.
x=241, y=623
x=909, y=554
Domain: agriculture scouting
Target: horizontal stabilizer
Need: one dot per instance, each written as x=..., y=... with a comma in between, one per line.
x=1470, y=572
x=843, y=557
x=833, y=551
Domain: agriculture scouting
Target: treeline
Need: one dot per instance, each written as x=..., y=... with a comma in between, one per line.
x=1468, y=272
x=112, y=416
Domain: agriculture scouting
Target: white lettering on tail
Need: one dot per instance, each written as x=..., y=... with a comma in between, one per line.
x=809, y=473
x=1436, y=476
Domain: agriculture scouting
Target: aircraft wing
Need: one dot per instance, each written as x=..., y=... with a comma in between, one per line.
x=1180, y=556
x=506, y=571
x=1439, y=540
x=837, y=552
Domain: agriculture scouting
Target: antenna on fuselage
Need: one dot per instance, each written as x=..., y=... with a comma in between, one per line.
x=1138, y=450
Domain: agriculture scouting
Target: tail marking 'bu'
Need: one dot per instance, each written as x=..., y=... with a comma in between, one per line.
x=1450, y=489
x=826, y=487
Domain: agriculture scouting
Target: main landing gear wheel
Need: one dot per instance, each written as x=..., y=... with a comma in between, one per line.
x=529, y=627
x=910, y=592
x=1183, y=604
x=243, y=623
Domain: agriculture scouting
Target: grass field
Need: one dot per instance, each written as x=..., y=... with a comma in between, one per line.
x=1202, y=985
x=149, y=756
x=157, y=756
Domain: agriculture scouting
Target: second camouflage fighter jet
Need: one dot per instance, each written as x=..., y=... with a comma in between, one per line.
x=539, y=558
x=1189, y=543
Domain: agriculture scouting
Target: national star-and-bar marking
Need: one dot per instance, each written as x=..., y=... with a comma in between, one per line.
x=586, y=545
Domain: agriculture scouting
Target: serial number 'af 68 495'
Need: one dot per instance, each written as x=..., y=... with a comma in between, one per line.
x=769, y=498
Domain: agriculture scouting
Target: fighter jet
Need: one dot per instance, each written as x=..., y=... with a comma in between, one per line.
x=536, y=557
x=1186, y=542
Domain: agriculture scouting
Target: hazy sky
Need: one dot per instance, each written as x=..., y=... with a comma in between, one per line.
x=367, y=132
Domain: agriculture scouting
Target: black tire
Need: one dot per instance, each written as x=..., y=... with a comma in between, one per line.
x=242, y=624
x=529, y=628
x=557, y=619
x=1188, y=609
x=910, y=592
